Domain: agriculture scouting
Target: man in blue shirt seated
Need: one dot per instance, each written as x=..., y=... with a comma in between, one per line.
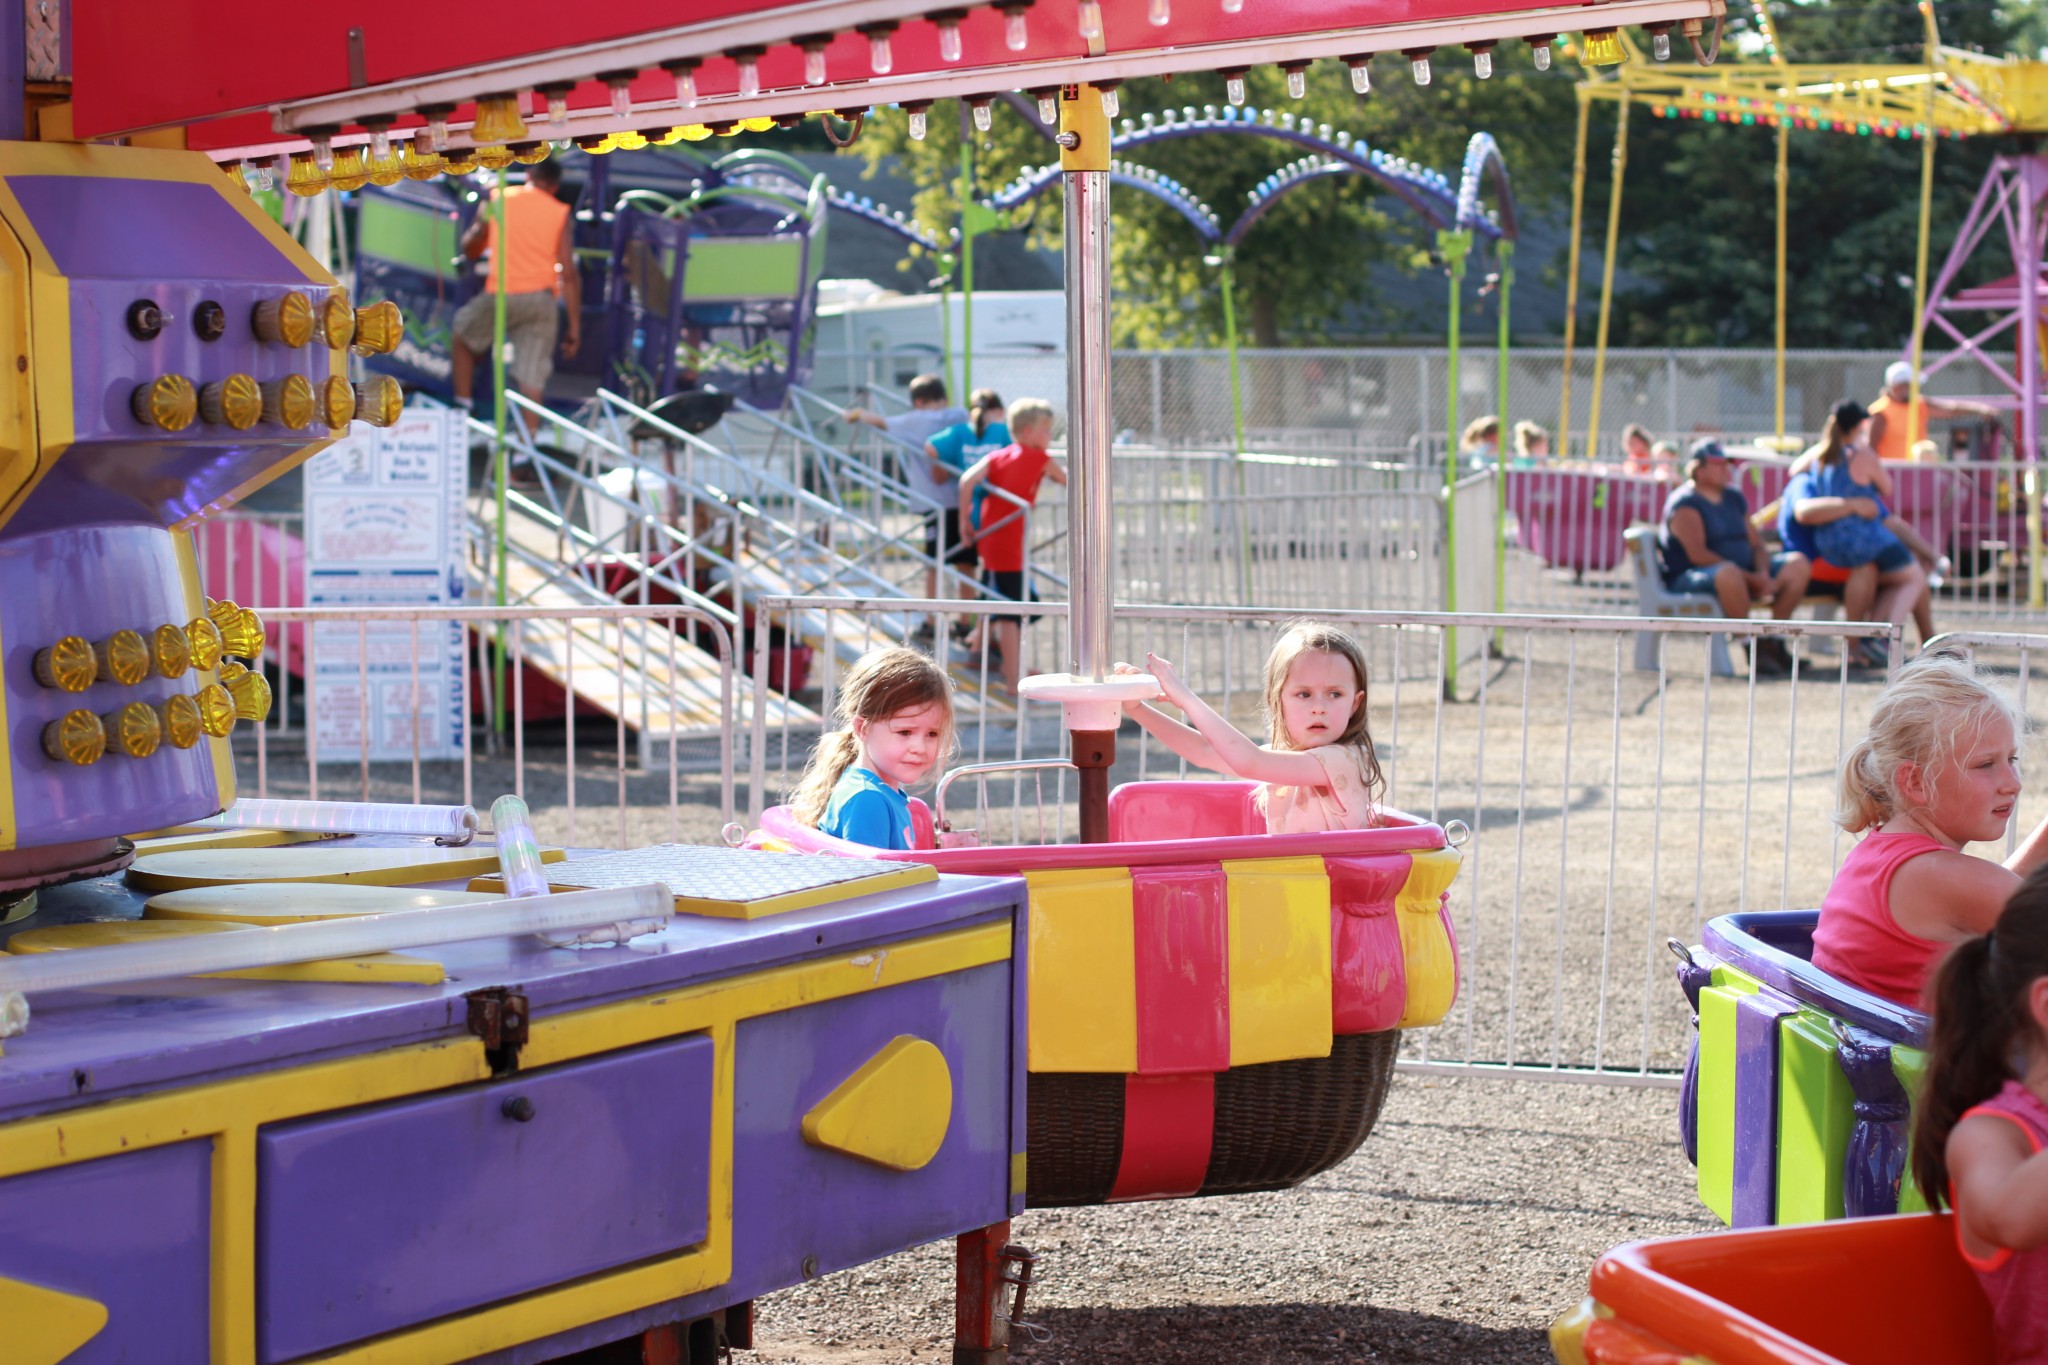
x=1709, y=546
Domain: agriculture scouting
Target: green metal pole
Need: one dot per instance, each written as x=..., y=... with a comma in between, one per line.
x=946, y=320
x=1454, y=245
x=503, y=456
x=1505, y=251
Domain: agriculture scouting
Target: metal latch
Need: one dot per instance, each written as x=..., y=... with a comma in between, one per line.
x=498, y=1015
x=1015, y=1267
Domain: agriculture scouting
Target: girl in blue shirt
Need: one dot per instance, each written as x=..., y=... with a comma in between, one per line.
x=895, y=713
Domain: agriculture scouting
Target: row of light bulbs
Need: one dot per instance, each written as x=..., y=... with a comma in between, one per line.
x=500, y=137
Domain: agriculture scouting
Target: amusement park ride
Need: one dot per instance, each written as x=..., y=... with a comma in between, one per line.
x=694, y=1076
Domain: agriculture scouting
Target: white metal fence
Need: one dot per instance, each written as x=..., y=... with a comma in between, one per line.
x=1390, y=402
x=1610, y=808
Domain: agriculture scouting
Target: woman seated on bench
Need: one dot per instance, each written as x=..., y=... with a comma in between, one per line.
x=1937, y=772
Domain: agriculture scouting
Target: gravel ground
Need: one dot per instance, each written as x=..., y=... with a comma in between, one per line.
x=1464, y=1225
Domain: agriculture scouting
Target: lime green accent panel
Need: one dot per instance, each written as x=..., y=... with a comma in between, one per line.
x=1910, y=1066
x=1814, y=1118
x=1716, y=1107
x=405, y=235
x=742, y=268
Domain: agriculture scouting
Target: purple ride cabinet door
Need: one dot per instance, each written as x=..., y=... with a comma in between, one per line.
x=129, y=1232
x=391, y=1215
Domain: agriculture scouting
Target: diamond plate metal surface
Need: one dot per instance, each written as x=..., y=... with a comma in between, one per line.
x=701, y=872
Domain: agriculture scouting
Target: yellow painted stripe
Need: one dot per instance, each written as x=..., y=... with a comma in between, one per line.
x=1279, y=959
x=632, y=1022
x=1083, y=963
x=1431, y=966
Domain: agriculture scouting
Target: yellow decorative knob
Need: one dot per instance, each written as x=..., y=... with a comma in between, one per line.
x=337, y=402
x=234, y=402
x=216, y=710
x=75, y=737
x=286, y=320
x=179, y=716
x=241, y=630
x=379, y=400
x=171, y=651
x=250, y=689
x=68, y=665
x=122, y=657
x=203, y=636
x=288, y=401
x=168, y=401
x=337, y=319
x=379, y=328
x=134, y=729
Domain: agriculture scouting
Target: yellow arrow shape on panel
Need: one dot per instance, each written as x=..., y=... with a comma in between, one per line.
x=893, y=1111
x=43, y=1325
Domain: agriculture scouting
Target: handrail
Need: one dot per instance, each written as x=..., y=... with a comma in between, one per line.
x=983, y=770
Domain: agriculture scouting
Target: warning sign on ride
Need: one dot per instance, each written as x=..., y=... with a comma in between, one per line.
x=384, y=534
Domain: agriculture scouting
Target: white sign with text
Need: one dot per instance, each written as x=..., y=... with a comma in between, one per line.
x=384, y=528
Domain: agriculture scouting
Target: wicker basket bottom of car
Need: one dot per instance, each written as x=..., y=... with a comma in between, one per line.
x=1277, y=1123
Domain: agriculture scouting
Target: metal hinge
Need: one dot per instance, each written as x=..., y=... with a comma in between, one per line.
x=498, y=1015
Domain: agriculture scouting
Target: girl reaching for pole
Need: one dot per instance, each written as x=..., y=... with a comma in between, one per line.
x=1319, y=770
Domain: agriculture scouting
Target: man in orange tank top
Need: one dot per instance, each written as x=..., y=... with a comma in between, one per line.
x=1897, y=424
x=539, y=268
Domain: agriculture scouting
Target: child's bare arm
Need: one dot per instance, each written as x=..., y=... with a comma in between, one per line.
x=2001, y=1190
x=1236, y=752
x=1056, y=471
x=970, y=481
x=1947, y=895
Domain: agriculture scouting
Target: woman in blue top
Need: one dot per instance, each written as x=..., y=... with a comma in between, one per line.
x=953, y=452
x=895, y=713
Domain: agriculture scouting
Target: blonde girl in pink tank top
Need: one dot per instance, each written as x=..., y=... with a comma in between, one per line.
x=1982, y=1117
x=1319, y=770
x=1938, y=771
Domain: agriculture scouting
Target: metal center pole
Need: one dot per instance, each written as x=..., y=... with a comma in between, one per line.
x=1084, y=157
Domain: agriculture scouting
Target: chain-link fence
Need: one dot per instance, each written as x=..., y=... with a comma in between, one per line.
x=1392, y=402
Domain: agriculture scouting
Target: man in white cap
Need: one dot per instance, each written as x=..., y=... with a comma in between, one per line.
x=1897, y=423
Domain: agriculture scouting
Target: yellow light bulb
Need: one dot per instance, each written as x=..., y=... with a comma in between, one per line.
x=241, y=633
x=135, y=729
x=170, y=650
x=337, y=319
x=696, y=132
x=671, y=137
x=251, y=693
x=288, y=402
x=1602, y=48
x=203, y=638
x=387, y=169
x=531, y=153
x=629, y=141
x=234, y=402
x=216, y=710
x=458, y=160
x=497, y=120
x=75, y=737
x=169, y=401
x=727, y=130
x=286, y=320
x=350, y=172
x=494, y=156
x=597, y=146
x=379, y=401
x=68, y=665
x=757, y=125
x=422, y=162
x=378, y=328
x=179, y=717
x=337, y=402
x=305, y=177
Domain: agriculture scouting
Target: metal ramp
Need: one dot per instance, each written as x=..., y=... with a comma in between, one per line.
x=664, y=685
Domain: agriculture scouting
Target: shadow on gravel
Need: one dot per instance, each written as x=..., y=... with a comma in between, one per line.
x=1273, y=1334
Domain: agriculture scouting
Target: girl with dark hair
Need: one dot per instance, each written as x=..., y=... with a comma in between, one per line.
x=1982, y=1119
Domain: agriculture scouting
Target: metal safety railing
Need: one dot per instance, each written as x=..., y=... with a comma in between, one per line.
x=1611, y=808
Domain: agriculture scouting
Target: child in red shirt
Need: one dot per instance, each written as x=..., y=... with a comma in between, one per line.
x=1016, y=470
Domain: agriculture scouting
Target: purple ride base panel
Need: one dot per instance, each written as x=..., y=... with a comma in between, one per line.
x=373, y=1219
x=85, y=1047
x=128, y=1231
